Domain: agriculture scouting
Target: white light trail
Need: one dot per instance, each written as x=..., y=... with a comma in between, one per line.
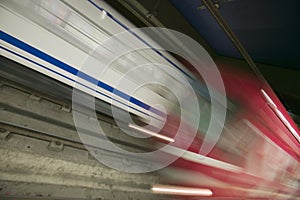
x=280, y=115
x=177, y=190
x=269, y=100
x=141, y=129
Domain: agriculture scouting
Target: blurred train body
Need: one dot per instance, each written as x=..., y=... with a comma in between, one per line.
x=257, y=154
x=255, y=157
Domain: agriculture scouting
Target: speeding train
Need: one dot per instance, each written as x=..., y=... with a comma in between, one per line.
x=89, y=46
x=256, y=156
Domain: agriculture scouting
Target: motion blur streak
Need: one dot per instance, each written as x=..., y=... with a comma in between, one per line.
x=138, y=128
x=204, y=160
x=269, y=100
x=181, y=190
x=280, y=115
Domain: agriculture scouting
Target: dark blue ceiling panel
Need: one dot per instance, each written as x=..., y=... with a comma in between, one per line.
x=269, y=30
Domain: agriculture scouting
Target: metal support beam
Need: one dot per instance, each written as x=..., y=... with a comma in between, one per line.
x=218, y=17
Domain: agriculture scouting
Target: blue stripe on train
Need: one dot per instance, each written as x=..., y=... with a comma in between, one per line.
x=94, y=90
x=36, y=52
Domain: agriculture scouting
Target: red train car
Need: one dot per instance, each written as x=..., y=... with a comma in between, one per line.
x=256, y=156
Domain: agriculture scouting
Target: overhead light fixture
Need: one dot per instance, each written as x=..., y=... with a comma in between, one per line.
x=280, y=115
x=141, y=129
x=177, y=190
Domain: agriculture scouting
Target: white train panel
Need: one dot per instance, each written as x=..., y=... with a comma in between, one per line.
x=55, y=39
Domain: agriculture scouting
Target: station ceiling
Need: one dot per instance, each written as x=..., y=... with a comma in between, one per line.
x=269, y=30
